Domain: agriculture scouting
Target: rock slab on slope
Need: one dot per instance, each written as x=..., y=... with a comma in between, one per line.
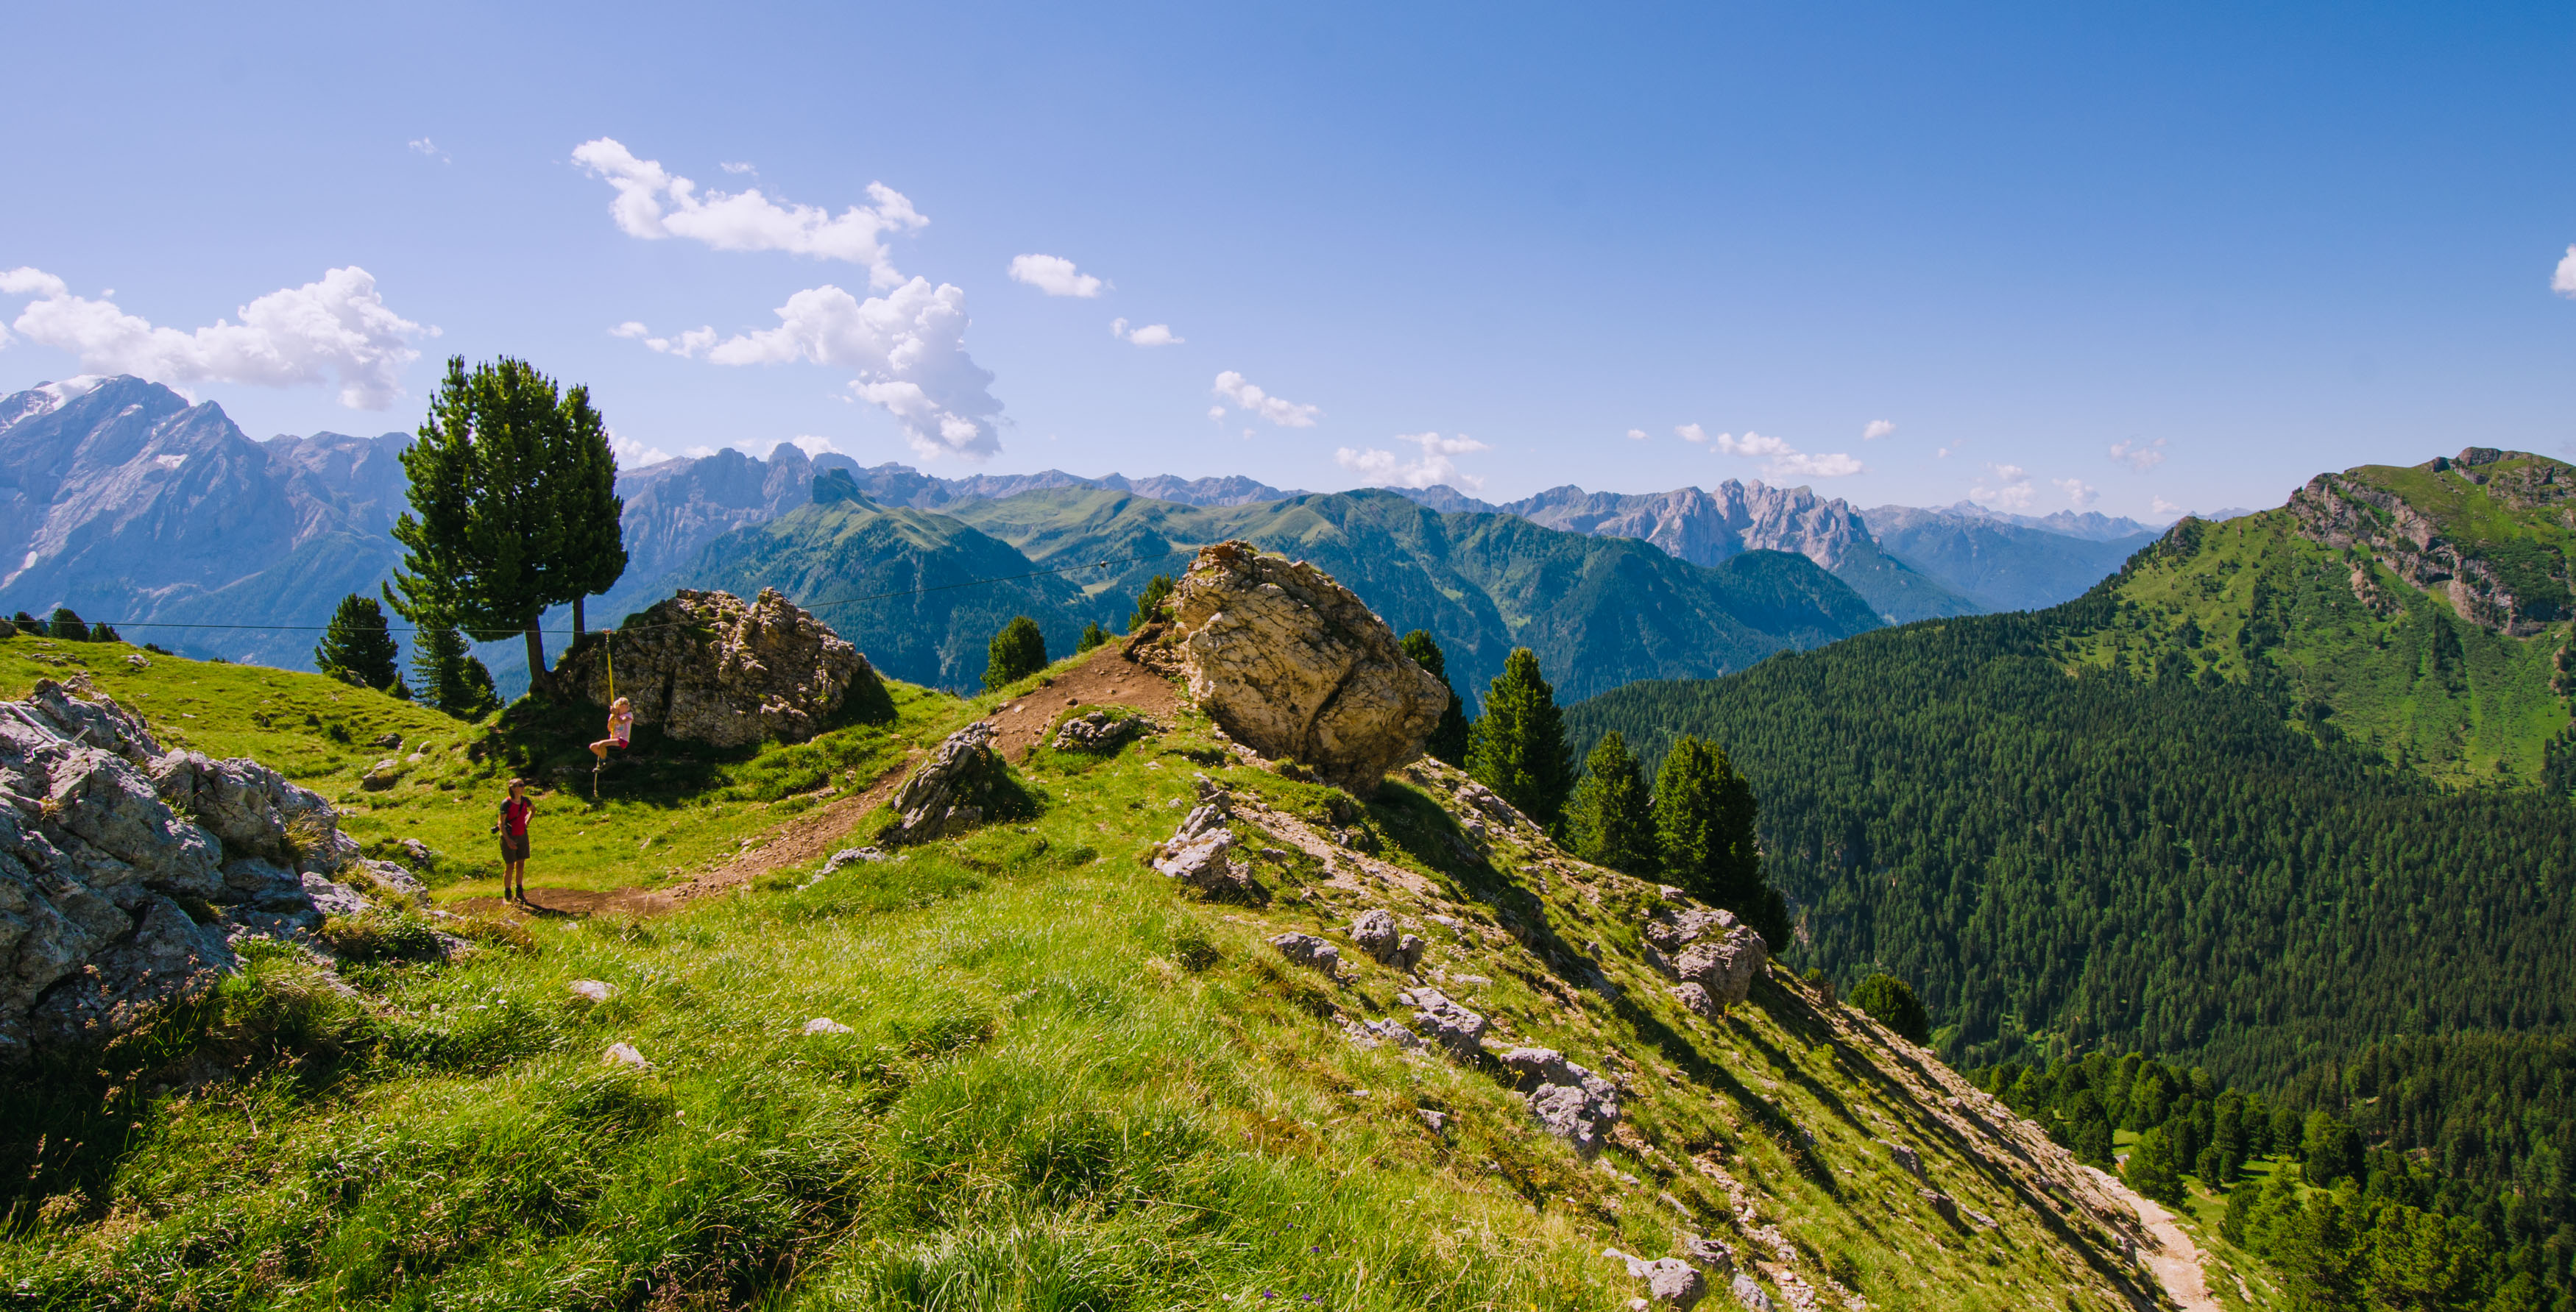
x=1570, y=1102
x=1292, y=664
x=126, y=872
x=1719, y=956
x=706, y=667
x=962, y=784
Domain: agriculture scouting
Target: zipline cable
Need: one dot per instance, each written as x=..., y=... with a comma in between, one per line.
x=631, y=628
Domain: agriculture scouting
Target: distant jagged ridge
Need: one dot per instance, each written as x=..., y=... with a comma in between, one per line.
x=123, y=501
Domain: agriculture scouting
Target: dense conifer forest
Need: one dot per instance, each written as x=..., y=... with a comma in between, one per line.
x=2423, y=1173
x=2059, y=855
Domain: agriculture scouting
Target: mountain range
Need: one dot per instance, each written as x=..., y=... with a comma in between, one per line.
x=121, y=499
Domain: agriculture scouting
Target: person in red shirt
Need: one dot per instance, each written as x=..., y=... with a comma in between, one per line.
x=515, y=810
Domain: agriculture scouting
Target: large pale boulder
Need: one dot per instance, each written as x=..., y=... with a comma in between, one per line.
x=962, y=785
x=1292, y=664
x=706, y=667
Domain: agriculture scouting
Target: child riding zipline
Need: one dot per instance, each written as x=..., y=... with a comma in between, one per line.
x=621, y=730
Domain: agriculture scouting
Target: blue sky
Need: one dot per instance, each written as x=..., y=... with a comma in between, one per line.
x=1481, y=244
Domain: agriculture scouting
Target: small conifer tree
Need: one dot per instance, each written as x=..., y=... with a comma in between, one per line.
x=1153, y=603
x=1704, y=829
x=1517, y=748
x=2151, y=1170
x=1092, y=636
x=66, y=626
x=1449, y=739
x=1018, y=651
x=357, y=648
x=1891, y=1002
x=1610, y=819
x=29, y=624
x=451, y=678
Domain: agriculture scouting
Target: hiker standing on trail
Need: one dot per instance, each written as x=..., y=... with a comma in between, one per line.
x=515, y=810
x=621, y=727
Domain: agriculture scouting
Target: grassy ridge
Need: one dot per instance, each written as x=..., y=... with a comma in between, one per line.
x=1064, y=1085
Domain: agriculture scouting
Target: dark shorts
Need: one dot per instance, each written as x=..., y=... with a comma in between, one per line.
x=514, y=847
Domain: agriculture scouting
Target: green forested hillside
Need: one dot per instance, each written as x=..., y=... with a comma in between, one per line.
x=2056, y=854
x=1599, y=612
x=2262, y=798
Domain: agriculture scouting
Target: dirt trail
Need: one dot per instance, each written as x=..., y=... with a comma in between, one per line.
x=2174, y=1258
x=1107, y=679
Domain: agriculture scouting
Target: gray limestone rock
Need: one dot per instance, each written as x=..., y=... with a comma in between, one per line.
x=951, y=792
x=1295, y=666
x=1570, y=1102
x=1309, y=951
x=709, y=667
x=1446, y=1023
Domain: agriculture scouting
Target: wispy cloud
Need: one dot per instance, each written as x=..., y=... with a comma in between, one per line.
x=1251, y=399
x=1432, y=468
x=1636, y=435
x=1876, y=429
x=2077, y=491
x=2137, y=455
x=337, y=328
x=425, y=146
x=1782, y=460
x=1152, y=334
x=654, y=203
x=2010, y=488
x=735, y=166
x=1054, y=275
x=2564, y=281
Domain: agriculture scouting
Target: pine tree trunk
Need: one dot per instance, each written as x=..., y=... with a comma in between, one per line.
x=577, y=629
x=539, y=681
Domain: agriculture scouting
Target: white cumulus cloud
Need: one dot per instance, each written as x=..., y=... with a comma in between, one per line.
x=1152, y=334
x=2564, y=282
x=1054, y=275
x=1432, y=468
x=630, y=328
x=2161, y=508
x=1276, y=409
x=1636, y=435
x=2081, y=493
x=654, y=203
x=907, y=350
x=334, y=329
x=2137, y=455
x=2011, y=490
x=1783, y=460
x=1876, y=429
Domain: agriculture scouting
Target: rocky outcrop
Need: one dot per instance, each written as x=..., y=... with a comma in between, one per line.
x=1309, y=951
x=705, y=667
x=962, y=785
x=1290, y=663
x=2346, y=510
x=1446, y=1023
x=1570, y=1102
x=1715, y=956
x=127, y=873
x=1376, y=934
x=1200, y=853
x=1100, y=731
x=1707, y=526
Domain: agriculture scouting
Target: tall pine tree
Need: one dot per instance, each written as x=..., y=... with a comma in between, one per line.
x=1517, y=748
x=358, y=648
x=1610, y=820
x=1704, y=818
x=1449, y=738
x=508, y=510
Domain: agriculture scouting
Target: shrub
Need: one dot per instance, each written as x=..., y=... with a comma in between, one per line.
x=1018, y=651
x=1891, y=1002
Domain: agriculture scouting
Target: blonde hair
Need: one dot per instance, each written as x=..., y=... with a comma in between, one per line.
x=621, y=702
